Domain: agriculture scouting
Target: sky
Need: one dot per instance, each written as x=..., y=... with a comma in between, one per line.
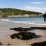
x=31, y=5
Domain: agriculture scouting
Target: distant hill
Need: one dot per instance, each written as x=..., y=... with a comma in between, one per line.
x=6, y=12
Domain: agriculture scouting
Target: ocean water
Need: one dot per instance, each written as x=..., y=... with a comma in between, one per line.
x=26, y=20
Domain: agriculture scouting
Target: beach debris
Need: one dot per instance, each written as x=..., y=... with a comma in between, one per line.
x=39, y=44
x=23, y=35
x=1, y=43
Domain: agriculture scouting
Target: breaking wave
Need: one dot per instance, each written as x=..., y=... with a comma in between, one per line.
x=25, y=22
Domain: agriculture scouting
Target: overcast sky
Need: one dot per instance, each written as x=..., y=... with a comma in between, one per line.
x=32, y=5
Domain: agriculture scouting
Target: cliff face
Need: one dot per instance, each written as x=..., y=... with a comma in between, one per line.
x=11, y=12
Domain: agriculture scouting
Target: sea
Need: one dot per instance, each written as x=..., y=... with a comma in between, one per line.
x=25, y=20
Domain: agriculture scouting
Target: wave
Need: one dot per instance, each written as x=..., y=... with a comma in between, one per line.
x=25, y=22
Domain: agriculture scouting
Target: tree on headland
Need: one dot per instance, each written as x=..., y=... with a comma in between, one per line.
x=5, y=12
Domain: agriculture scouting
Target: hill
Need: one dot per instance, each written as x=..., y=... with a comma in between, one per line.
x=12, y=12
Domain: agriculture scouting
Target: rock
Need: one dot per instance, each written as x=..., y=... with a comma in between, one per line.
x=20, y=29
x=14, y=36
x=42, y=28
x=9, y=44
x=27, y=35
x=23, y=35
x=1, y=43
x=39, y=44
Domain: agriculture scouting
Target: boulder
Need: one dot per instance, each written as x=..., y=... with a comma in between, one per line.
x=27, y=29
x=14, y=36
x=23, y=35
x=42, y=28
x=1, y=43
x=19, y=29
x=39, y=44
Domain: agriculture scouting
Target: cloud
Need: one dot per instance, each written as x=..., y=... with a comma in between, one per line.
x=44, y=8
x=36, y=2
x=37, y=9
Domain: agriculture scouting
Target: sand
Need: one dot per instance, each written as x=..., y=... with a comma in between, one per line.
x=5, y=33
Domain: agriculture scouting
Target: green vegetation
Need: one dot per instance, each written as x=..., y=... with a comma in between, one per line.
x=10, y=12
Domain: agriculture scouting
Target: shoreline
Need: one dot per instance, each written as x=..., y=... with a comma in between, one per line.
x=20, y=16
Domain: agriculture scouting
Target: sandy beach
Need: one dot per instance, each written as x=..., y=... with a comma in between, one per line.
x=5, y=33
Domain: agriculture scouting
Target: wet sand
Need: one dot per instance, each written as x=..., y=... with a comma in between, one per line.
x=5, y=33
